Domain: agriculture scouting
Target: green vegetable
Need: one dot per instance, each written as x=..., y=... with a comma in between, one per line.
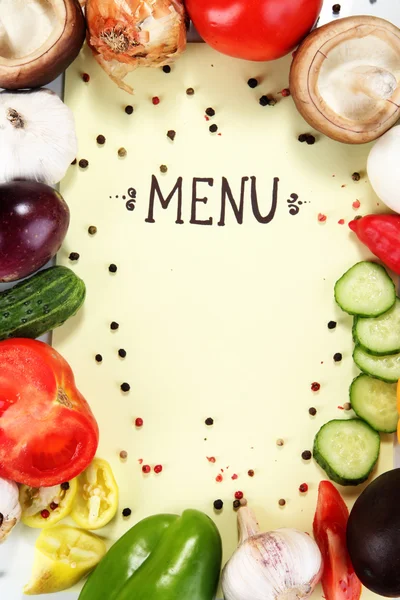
x=375, y=402
x=41, y=303
x=386, y=367
x=380, y=335
x=164, y=557
x=347, y=450
x=366, y=290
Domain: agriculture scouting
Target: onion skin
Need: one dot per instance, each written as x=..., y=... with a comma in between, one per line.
x=44, y=69
x=34, y=220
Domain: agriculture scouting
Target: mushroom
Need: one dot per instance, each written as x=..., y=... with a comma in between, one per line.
x=344, y=78
x=39, y=39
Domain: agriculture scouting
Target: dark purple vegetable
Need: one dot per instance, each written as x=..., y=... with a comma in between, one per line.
x=34, y=220
x=373, y=535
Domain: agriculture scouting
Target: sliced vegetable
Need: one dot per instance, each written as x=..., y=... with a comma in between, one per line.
x=339, y=581
x=381, y=233
x=34, y=219
x=48, y=434
x=386, y=368
x=44, y=507
x=380, y=335
x=375, y=402
x=97, y=500
x=63, y=556
x=10, y=508
x=365, y=290
x=164, y=557
x=347, y=450
x=285, y=563
x=373, y=539
x=22, y=312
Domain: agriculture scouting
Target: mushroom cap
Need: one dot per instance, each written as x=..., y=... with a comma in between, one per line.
x=48, y=60
x=312, y=59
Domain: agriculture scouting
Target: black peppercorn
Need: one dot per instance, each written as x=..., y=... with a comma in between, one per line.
x=236, y=504
x=101, y=139
x=337, y=357
x=113, y=268
x=210, y=112
x=166, y=69
x=74, y=162
x=171, y=134
x=213, y=128
x=190, y=91
x=310, y=140
x=86, y=77
x=65, y=486
x=92, y=230
x=114, y=326
x=83, y=163
x=209, y=421
x=306, y=455
x=356, y=177
x=332, y=325
x=312, y=411
x=125, y=387
x=336, y=9
x=253, y=83
x=122, y=353
x=99, y=358
x=264, y=101
x=302, y=137
x=129, y=109
x=126, y=512
x=218, y=504
x=74, y=256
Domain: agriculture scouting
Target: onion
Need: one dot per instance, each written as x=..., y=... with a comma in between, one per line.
x=126, y=34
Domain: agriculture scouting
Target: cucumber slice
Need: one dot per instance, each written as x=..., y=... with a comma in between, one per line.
x=380, y=335
x=375, y=402
x=347, y=450
x=366, y=290
x=385, y=367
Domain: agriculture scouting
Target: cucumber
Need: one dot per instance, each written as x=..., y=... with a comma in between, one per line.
x=386, y=368
x=347, y=450
x=380, y=335
x=41, y=303
x=375, y=402
x=365, y=290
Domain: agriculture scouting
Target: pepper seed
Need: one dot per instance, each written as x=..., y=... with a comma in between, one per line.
x=171, y=134
x=74, y=256
x=83, y=163
x=126, y=512
x=99, y=358
x=101, y=139
x=92, y=230
x=114, y=325
x=218, y=504
x=252, y=83
x=306, y=455
x=129, y=109
x=113, y=268
x=125, y=387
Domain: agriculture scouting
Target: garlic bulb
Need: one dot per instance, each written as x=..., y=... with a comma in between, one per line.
x=10, y=508
x=126, y=34
x=285, y=564
x=37, y=136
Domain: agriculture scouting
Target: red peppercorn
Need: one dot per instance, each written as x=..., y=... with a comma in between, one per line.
x=146, y=469
x=155, y=100
x=250, y=473
x=303, y=488
x=234, y=476
x=53, y=506
x=238, y=495
x=211, y=459
x=218, y=478
x=356, y=204
x=285, y=93
x=341, y=221
x=158, y=469
x=321, y=218
x=45, y=514
x=139, y=422
x=86, y=77
x=315, y=386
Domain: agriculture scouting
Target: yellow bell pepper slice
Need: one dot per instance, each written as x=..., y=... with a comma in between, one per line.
x=46, y=506
x=63, y=556
x=96, y=502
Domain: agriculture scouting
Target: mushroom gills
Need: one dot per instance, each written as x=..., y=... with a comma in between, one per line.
x=28, y=25
x=358, y=75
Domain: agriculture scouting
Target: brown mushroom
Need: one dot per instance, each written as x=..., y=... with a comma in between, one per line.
x=344, y=78
x=38, y=41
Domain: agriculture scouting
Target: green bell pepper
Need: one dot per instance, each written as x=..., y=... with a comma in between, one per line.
x=164, y=557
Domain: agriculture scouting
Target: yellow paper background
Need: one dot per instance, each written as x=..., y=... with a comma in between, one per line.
x=223, y=322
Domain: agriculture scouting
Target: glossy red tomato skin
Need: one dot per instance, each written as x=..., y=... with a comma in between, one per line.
x=257, y=30
x=48, y=434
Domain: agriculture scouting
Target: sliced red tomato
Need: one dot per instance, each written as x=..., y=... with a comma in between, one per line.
x=48, y=434
x=339, y=580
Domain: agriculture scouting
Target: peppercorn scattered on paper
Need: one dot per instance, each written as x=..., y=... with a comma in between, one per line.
x=227, y=243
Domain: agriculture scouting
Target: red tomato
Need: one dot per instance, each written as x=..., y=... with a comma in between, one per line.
x=339, y=580
x=254, y=29
x=48, y=434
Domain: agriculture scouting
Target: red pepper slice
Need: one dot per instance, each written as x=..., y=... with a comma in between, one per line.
x=381, y=234
x=339, y=580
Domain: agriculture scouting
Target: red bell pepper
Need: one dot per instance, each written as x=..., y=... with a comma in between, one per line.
x=381, y=234
x=339, y=580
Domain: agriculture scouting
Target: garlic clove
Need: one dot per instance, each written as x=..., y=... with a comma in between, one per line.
x=37, y=136
x=285, y=564
x=10, y=508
